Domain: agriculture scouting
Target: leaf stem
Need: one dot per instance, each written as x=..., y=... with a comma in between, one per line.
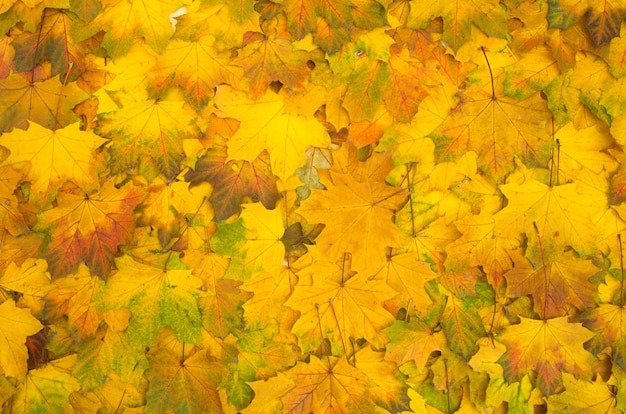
x=493, y=89
x=343, y=343
x=545, y=272
x=552, y=164
x=409, y=186
x=445, y=363
x=621, y=266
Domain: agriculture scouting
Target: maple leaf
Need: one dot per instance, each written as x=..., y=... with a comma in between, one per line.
x=48, y=103
x=489, y=16
x=261, y=358
x=607, y=321
x=457, y=166
x=581, y=396
x=47, y=388
x=222, y=304
x=17, y=324
x=71, y=295
x=54, y=156
x=339, y=306
x=547, y=347
x=148, y=131
x=89, y=227
x=327, y=385
x=107, y=353
x=358, y=218
x=17, y=249
x=196, y=67
x=554, y=284
x=267, y=59
x=268, y=394
x=462, y=324
x=235, y=181
x=123, y=21
x=603, y=21
x=412, y=341
x=156, y=298
x=52, y=42
x=407, y=276
x=483, y=247
x=31, y=280
x=287, y=134
x=253, y=242
x=270, y=293
x=498, y=128
x=171, y=378
x=226, y=21
x=170, y=202
x=552, y=211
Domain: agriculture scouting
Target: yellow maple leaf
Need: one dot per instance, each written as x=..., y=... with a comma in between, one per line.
x=581, y=396
x=358, y=218
x=340, y=305
x=54, y=156
x=123, y=20
x=560, y=214
x=15, y=325
x=407, y=276
x=196, y=67
x=171, y=201
x=47, y=388
x=268, y=124
x=31, y=279
x=71, y=295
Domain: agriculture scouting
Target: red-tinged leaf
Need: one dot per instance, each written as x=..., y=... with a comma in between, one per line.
x=609, y=323
x=235, y=182
x=273, y=59
x=301, y=17
x=48, y=103
x=408, y=79
x=553, y=284
x=7, y=54
x=327, y=385
x=71, y=296
x=52, y=43
x=37, y=353
x=107, y=353
x=17, y=249
x=171, y=377
x=462, y=325
x=123, y=21
x=604, y=19
x=16, y=324
x=547, y=347
x=331, y=39
x=89, y=228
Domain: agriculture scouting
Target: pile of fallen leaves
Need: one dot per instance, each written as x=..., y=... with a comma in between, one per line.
x=312, y=206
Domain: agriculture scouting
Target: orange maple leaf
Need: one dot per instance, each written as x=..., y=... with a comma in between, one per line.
x=89, y=227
